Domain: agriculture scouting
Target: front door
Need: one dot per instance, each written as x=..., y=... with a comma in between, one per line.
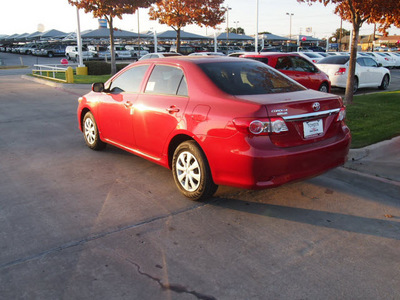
x=116, y=106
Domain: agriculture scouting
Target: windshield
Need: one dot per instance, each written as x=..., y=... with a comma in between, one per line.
x=248, y=78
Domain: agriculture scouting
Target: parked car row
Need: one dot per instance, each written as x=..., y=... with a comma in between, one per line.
x=314, y=70
x=71, y=51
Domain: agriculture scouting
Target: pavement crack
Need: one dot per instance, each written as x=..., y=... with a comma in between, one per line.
x=96, y=236
x=172, y=287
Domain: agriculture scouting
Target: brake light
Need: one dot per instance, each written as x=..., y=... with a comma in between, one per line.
x=261, y=126
x=342, y=114
x=387, y=59
x=314, y=61
x=341, y=71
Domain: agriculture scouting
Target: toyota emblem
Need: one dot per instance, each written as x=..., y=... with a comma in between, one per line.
x=316, y=106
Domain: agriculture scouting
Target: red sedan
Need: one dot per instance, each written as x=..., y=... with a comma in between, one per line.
x=217, y=121
x=297, y=68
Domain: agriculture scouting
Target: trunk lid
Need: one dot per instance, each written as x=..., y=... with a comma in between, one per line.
x=310, y=116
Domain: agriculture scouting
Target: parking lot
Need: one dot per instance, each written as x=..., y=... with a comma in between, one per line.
x=79, y=224
x=11, y=59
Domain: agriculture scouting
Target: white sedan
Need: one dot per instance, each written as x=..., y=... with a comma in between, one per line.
x=314, y=57
x=368, y=72
x=159, y=55
x=206, y=54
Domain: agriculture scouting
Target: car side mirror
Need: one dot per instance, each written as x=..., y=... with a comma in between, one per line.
x=379, y=65
x=98, y=87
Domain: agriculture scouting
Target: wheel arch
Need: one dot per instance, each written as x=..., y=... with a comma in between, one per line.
x=82, y=115
x=175, y=142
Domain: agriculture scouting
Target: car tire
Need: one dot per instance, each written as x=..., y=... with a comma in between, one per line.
x=385, y=82
x=91, y=133
x=355, y=87
x=324, y=88
x=192, y=173
x=68, y=57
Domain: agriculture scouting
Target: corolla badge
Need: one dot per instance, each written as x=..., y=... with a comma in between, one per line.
x=316, y=106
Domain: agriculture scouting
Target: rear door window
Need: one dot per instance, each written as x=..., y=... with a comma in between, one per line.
x=166, y=80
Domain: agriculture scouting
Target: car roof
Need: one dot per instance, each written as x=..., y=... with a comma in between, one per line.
x=190, y=60
x=271, y=54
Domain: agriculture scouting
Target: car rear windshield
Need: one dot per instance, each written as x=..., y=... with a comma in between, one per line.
x=248, y=78
x=335, y=60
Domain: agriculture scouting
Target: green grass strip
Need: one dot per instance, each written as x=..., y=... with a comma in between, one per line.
x=374, y=118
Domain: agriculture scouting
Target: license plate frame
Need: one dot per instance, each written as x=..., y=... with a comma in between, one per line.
x=313, y=128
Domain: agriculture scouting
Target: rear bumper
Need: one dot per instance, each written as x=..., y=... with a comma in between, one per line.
x=270, y=166
x=338, y=80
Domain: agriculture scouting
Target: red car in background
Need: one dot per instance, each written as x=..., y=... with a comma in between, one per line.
x=217, y=121
x=297, y=68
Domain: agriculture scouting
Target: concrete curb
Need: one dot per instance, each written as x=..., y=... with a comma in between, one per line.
x=356, y=178
x=56, y=84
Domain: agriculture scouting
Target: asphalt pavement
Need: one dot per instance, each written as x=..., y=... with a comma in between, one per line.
x=82, y=224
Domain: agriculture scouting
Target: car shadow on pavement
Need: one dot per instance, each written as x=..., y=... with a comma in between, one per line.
x=349, y=223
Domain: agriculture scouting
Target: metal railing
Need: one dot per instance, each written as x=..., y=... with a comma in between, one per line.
x=51, y=71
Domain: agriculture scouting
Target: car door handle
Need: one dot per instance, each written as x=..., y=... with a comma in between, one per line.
x=128, y=104
x=173, y=109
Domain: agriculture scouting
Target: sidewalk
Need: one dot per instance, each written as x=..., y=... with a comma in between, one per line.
x=381, y=160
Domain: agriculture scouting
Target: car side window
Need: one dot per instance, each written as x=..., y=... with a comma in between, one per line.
x=302, y=65
x=370, y=62
x=183, y=90
x=262, y=59
x=129, y=81
x=284, y=63
x=167, y=80
x=361, y=61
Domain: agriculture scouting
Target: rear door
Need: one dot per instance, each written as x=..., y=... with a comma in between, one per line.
x=375, y=72
x=299, y=69
x=363, y=71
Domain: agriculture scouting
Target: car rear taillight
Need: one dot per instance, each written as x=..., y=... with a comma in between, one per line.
x=341, y=71
x=341, y=114
x=314, y=61
x=262, y=126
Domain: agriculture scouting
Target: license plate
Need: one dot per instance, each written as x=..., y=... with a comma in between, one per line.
x=313, y=128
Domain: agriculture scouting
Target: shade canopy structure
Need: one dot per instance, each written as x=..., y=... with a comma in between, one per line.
x=172, y=35
x=52, y=34
x=21, y=37
x=33, y=36
x=308, y=38
x=103, y=33
x=234, y=37
x=274, y=38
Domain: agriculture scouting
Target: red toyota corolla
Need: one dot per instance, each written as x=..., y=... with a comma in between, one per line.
x=217, y=121
x=297, y=68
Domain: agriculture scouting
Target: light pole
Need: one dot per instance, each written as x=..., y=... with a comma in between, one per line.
x=290, y=29
x=256, y=37
x=79, y=39
x=236, y=22
x=227, y=9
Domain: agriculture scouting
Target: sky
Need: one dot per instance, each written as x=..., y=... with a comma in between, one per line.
x=27, y=16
